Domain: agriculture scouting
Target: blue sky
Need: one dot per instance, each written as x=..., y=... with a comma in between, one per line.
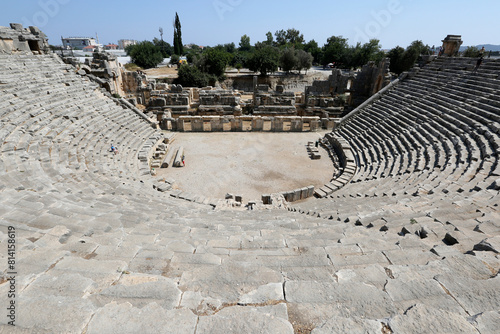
x=210, y=22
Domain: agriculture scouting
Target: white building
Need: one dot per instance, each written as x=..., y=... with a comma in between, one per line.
x=78, y=42
x=123, y=43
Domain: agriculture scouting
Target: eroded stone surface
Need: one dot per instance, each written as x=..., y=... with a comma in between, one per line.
x=150, y=319
x=426, y=319
x=239, y=319
x=349, y=325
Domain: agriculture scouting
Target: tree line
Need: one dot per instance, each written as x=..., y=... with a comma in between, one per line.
x=285, y=49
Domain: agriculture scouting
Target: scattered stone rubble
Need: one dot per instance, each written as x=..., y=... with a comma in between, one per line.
x=17, y=39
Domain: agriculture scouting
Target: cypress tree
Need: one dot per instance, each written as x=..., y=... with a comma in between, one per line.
x=178, y=46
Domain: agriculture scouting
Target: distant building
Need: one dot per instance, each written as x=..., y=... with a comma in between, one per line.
x=78, y=42
x=194, y=46
x=90, y=48
x=111, y=47
x=123, y=43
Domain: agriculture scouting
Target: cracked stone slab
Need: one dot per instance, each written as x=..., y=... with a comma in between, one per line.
x=52, y=314
x=488, y=322
x=374, y=275
x=414, y=256
x=240, y=319
x=463, y=265
x=356, y=261
x=67, y=284
x=429, y=292
x=425, y=319
x=140, y=291
x=349, y=325
x=200, y=305
x=350, y=299
x=39, y=260
x=104, y=273
x=229, y=281
x=475, y=296
x=263, y=294
x=149, y=319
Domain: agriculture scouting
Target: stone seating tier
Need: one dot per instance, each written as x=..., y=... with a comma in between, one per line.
x=407, y=246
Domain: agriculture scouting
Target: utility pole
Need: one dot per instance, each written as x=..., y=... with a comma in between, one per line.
x=62, y=47
x=162, y=44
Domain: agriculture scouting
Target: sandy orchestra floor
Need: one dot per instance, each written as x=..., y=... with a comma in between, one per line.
x=247, y=164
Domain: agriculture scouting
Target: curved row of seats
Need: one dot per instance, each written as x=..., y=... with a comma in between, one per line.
x=419, y=127
x=99, y=247
x=430, y=142
x=58, y=127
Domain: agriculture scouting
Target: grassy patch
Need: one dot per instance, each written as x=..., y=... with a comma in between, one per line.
x=132, y=67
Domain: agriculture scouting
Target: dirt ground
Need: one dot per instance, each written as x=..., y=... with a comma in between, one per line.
x=247, y=164
x=162, y=72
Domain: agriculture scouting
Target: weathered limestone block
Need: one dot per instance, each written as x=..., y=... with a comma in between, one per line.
x=356, y=299
x=424, y=319
x=238, y=319
x=140, y=290
x=128, y=319
x=229, y=281
x=349, y=325
x=475, y=296
x=43, y=314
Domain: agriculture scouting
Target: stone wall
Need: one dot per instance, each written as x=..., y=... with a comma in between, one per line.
x=371, y=79
x=268, y=102
x=107, y=68
x=293, y=83
x=136, y=85
x=16, y=39
x=173, y=98
x=245, y=123
x=219, y=102
x=323, y=98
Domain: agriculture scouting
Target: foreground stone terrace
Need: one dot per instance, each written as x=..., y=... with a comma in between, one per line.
x=411, y=245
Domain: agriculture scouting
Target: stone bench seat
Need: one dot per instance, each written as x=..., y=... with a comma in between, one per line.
x=389, y=243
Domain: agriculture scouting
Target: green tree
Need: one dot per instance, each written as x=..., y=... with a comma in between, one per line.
x=214, y=61
x=404, y=60
x=191, y=76
x=362, y=54
x=396, y=57
x=305, y=60
x=245, y=43
x=240, y=58
x=288, y=60
x=295, y=38
x=280, y=37
x=174, y=59
x=313, y=48
x=165, y=48
x=289, y=38
x=471, y=52
x=420, y=48
x=230, y=47
x=335, y=50
x=178, y=46
x=270, y=38
x=145, y=54
x=412, y=53
x=193, y=56
x=265, y=60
